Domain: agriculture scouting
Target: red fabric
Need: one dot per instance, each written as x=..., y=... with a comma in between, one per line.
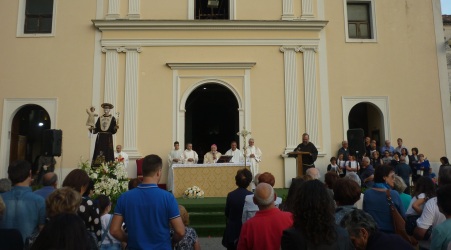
x=139, y=167
x=264, y=230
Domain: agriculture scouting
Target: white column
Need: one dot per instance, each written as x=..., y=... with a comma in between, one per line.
x=291, y=98
x=111, y=74
x=131, y=102
x=307, y=9
x=113, y=9
x=310, y=92
x=247, y=100
x=191, y=10
x=133, y=9
x=287, y=10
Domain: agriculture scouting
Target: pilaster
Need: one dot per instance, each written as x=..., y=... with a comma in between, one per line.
x=291, y=97
x=131, y=102
x=113, y=9
x=307, y=9
x=288, y=13
x=111, y=73
x=310, y=92
x=134, y=9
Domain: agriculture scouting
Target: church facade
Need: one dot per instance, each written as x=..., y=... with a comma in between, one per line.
x=290, y=66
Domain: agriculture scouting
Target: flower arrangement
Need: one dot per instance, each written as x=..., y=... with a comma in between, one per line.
x=109, y=178
x=193, y=192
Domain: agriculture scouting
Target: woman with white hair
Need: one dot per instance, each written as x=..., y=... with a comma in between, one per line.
x=400, y=186
x=353, y=176
x=364, y=233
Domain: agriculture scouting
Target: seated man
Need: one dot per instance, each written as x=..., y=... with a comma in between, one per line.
x=250, y=208
x=237, y=155
x=213, y=155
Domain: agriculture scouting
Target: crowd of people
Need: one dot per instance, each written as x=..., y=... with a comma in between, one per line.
x=354, y=208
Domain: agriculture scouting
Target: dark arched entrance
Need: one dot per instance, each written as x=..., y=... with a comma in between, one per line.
x=211, y=117
x=368, y=117
x=26, y=133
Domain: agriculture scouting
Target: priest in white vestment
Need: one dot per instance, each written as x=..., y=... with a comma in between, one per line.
x=237, y=155
x=189, y=156
x=254, y=156
x=120, y=155
x=174, y=157
x=213, y=155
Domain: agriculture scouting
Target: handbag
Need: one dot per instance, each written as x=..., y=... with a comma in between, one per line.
x=399, y=223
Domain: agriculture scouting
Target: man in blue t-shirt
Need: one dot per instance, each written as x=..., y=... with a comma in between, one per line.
x=148, y=211
x=25, y=210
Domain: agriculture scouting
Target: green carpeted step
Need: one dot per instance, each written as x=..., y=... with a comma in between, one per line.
x=207, y=218
x=210, y=230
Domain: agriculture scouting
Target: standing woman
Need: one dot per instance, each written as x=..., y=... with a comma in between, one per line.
x=314, y=222
x=375, y=199
x=413, y=163
x=79, y=180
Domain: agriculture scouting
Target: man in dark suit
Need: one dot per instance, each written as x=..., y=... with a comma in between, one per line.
x=234, y=208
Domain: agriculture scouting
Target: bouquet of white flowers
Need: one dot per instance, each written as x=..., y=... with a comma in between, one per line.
x=193, y=192
x=110, y=178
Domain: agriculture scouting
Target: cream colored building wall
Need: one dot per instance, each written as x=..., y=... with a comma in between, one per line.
x=58, y=67
x=394, y=66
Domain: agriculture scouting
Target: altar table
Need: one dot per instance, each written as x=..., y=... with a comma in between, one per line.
x=216, y=180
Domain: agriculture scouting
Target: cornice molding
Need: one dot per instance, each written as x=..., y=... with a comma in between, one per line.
x=206, y=42
x=229, y=65
x=127, y=24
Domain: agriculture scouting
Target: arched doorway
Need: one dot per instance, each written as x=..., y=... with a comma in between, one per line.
x=27, y=128
x=368, y=117
x=211, y=117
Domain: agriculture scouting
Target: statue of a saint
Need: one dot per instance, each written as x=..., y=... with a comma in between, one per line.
x=105, y=127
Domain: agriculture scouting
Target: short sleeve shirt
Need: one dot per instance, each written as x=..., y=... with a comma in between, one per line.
x=146, y=211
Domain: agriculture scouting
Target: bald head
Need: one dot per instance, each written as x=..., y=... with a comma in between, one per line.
x=314, y=173
x=49, y=179
x=264, y=196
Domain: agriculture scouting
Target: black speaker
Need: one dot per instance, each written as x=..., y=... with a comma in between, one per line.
x=356, y=141
x=51, y=142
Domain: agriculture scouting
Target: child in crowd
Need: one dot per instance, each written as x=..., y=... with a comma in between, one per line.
x=441, y=234
x=333, y=166
x=341, y=162
x=352, y=165
x=108, y=242
x=190, y=241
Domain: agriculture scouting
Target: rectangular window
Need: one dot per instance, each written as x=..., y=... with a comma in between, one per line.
x=38, y=16
x=212, y=9
x=360, y=21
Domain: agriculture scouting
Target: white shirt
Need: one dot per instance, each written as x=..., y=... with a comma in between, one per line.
x=237, y=155
x=410, y=210
x=108, y=239
x=189, y=154
x=122, y=154
x=431, y=216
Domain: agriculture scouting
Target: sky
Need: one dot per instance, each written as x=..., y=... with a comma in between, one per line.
x=446, y=7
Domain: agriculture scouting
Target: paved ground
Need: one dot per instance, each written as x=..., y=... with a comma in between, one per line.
x=212, y=243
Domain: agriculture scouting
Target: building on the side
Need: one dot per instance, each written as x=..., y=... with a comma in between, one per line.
x=201, y=70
